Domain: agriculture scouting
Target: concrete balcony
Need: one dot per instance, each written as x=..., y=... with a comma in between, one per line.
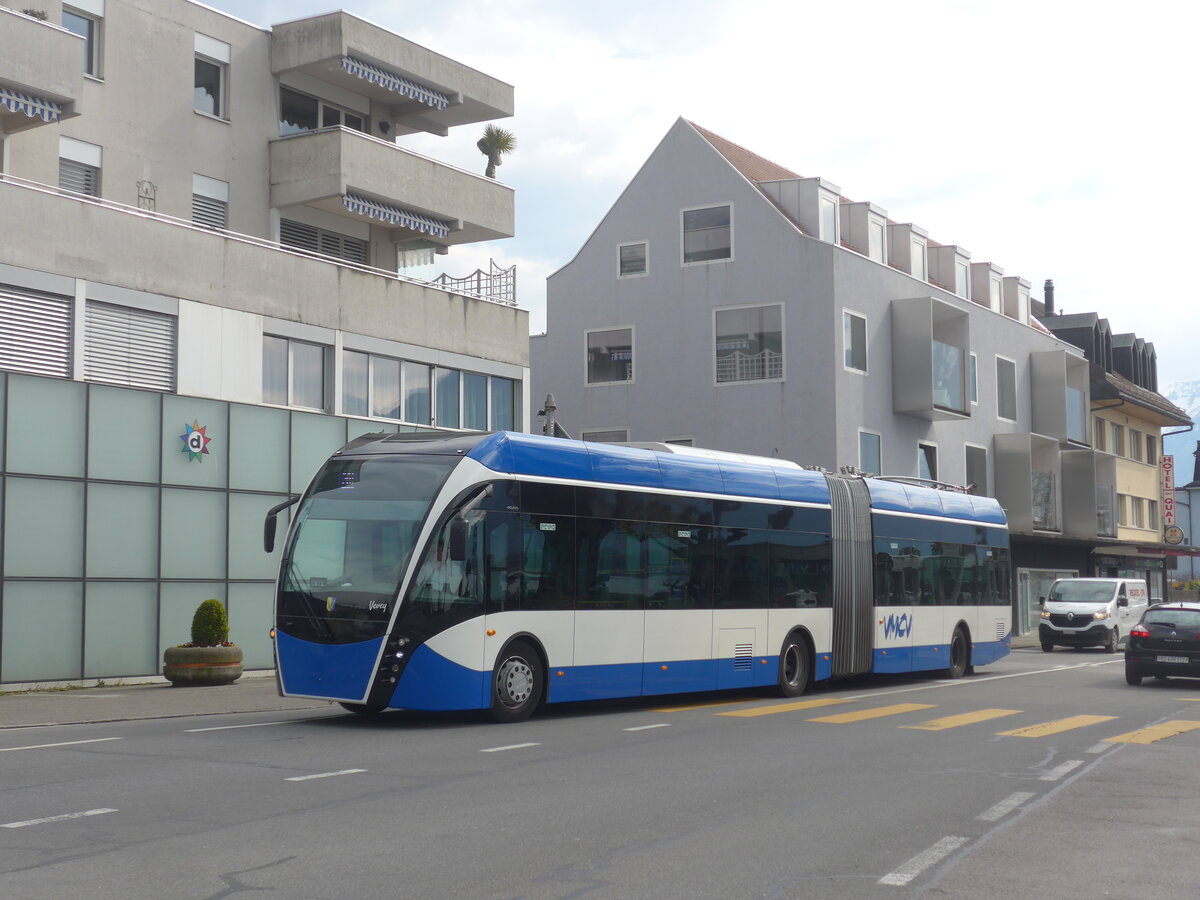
x=318, y=45
x=319, y=168
x=41, y=61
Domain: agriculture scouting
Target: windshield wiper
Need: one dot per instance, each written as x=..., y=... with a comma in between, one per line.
x=315, y=619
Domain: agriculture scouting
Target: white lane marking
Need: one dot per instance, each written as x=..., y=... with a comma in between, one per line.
x=923, y=861
x=78, y=815
x=968, y=682
x=227, y=727
x=648, y=727
x=1099, y=748
x=1005, y=806
x=1059, y=771
x=508, y=747
x=325, y=775
x=61, y=744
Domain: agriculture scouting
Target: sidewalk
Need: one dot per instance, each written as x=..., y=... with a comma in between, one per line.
x=77, y=706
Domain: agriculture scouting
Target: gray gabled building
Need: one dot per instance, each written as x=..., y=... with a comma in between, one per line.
x=731, y=303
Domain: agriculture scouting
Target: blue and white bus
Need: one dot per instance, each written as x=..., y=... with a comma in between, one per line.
x=502, y=571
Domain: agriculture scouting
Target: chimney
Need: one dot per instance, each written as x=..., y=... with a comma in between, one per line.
x=1048, y=294
x=1196, y=472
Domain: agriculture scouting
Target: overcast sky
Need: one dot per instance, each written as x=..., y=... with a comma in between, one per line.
x=1054, y=139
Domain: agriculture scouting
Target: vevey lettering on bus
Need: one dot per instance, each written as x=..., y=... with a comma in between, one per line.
x=898, y=626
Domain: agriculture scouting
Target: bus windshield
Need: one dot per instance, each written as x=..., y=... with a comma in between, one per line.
x=354, y=535
x=1082, y=591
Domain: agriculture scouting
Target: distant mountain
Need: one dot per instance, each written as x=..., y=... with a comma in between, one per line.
x=1186, y=395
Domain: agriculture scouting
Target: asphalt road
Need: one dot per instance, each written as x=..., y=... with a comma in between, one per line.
x=875, y=788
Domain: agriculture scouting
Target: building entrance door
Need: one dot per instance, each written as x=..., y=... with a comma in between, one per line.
x=1032, y=586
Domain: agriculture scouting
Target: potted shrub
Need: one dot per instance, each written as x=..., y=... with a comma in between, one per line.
x=209, y=658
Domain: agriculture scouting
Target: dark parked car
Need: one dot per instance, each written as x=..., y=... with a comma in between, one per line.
x=1165, y=642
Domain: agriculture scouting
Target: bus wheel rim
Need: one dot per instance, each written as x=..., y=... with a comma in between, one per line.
x=791, y=665
x=516, y=680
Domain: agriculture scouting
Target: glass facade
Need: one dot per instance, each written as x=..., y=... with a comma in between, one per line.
x=114, y=526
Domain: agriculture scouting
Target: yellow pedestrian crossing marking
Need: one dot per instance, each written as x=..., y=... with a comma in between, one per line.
x=1155, y=732
x=877, y=712
x=785, y=707
x=981, y=715
x=703, y=705
x=1057, y=726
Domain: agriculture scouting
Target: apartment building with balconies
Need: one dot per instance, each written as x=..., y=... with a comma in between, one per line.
x=731, y=303
x=202, y=295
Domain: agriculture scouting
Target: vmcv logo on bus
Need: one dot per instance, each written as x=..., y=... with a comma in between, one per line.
x=897, y=626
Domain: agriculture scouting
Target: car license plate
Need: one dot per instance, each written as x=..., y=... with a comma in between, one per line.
x=1171, y=659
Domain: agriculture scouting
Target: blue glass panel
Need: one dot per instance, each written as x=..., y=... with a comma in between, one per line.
x=690, y=473
x=251, y=615
x=195, y=441
x=41, y=631
x=802, y=485
x=749, y=480
x=119, y=629
x=45, y=426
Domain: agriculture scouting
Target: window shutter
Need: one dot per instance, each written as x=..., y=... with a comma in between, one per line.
x=294, y=234
x=209, y=212
x=78, y=177
x=318, y=240
x=35, y=333
x=128, y=346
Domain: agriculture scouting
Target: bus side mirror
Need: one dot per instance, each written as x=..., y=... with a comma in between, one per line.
x=269, y=522
x=458, y=539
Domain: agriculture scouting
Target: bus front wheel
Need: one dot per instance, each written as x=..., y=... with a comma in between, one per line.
x=793, y=667
x=517, y=683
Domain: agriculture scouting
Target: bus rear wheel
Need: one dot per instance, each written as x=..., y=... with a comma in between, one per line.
x=793, y=667
x=959, y=654
x=517, y=683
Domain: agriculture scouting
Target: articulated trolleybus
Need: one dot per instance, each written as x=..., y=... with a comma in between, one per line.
x=502, y=571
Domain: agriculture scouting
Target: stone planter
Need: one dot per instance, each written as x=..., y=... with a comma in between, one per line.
x=186, y=666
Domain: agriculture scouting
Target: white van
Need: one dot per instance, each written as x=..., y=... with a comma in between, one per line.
x=1091, y=612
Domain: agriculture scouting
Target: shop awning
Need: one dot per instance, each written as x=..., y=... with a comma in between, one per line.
x=396, y=83
x=373, y=209
x=35, y=107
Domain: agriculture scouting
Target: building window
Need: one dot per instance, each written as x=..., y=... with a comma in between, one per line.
x=829, y=220
x=1076, y=416
x=86, y=23
x=927, y=462
x=870, y=453
x=35, y=333
x=79, y=166
x=504, y=404
x=707, y=234
x=318, y=240
x=1135, y=445
x=211, y=77
x=610, y=356
x=854, y=342
x=974, y=380
x=608, y=436
x=1099, y=434
x=948, y=377
x=1152, y=449
x=680, y=441
x=1122, y=509
x=293, y=373
x=299, y=113
x=446, y=392
x=1135, y=507
x=418, y=408
x=876, y=242
x=977, y=477
x=919, y=268
x=134, y=347
x=1117, y=432
x=475, y=401
x=210, y=202
x=1006, y=389
x=631, y=259
x=1152, y=515
x=962, y=279
x=749, y=343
